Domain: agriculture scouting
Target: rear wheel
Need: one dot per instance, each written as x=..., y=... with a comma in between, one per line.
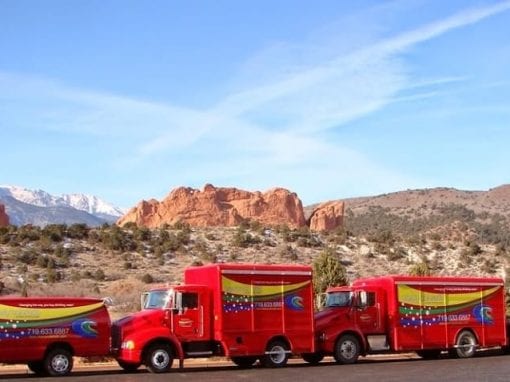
x=312, y=358
x=465, y=346
x=244, y=362
x=159, y=358
x=277, y=354
x=347, y=349
x=128, y=366
x=58, y=362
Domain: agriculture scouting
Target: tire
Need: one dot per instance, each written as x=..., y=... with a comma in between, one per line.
x=58, y=362
x=312, y=358
x=128, y=366
x=277, y=354
x=465, y=346
x=347, y=349
x=244, y=362
x=37, y=367
x=429, y=353
x=159, y=358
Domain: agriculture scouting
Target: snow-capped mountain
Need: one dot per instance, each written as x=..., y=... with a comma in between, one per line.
x=92, y=204
x=38, y=198
x=25, y=206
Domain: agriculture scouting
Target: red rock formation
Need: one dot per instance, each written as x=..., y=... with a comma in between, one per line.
x=219, y=207
x=4, y=219
x=327, y=216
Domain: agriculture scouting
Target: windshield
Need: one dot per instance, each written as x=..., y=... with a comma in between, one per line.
x=334, y=299
x=158, y=299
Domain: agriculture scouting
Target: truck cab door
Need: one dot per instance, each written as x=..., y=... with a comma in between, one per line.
x=369, y=311
x=188, y=317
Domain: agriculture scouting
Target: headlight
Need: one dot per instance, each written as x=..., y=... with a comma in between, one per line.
x=128, y=345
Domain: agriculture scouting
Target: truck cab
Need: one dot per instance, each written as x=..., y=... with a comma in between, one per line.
x=351, y=322
x=186, y=310
x=174, y=322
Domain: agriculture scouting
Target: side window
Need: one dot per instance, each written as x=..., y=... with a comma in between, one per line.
x=370, y=298
x=367, y=299
x=190, y=300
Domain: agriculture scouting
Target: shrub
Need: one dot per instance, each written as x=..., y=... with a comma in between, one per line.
x=28, y=257
x=54, y=232
x=328, y=271
x=147, y=278
x=420, y=269
x=398, y=254
x=288, y=252
x=244, y=239
x=78, y=231
x=99, y=275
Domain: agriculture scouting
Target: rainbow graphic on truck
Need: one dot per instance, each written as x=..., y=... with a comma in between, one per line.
x=239, y=296
x=424, y=305
x=47, y=320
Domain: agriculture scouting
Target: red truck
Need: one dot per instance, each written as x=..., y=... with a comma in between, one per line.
x=244, y=312
x=46, y=332
x=427, y=315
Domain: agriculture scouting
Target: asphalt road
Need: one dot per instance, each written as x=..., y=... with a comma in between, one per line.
x=489, y=368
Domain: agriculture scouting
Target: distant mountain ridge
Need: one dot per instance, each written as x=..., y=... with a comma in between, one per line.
x=494, y=201
x=38, y=207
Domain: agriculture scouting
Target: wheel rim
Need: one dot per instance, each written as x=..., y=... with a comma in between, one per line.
x=160, y=359
x=466, y=345
x=60, y=363
x=348, y=349
x=277, y=354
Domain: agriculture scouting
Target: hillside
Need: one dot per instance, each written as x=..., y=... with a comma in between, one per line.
x=441, y=231
x=445, y=212
x=119, y=262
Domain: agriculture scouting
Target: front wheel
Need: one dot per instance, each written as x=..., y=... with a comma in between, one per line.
x=277, y=354
x=465, y=346
x=347, y=349
x=58, y=362
x=159, y=358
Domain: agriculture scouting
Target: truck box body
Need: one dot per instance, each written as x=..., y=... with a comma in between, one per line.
x=242, y=311
x=31, y=326
x=427, y=313
x=256, y=302
x=406, y=313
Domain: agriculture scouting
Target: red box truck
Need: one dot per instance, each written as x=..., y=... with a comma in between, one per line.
x=46, y=332
x=404, y=313
x=245, y=312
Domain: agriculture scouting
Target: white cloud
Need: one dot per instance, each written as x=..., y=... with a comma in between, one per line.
x=276, y=126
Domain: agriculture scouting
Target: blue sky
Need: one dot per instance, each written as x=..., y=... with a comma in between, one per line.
x=331, y=99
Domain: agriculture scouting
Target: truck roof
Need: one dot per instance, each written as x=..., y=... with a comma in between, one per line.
x=14, y=300
x=247, y=267
x=252, y=266
x=423, y=280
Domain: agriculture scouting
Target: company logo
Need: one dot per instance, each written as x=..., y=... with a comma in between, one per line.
x=294, y=302
x=483, y=313
x=85, y=328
